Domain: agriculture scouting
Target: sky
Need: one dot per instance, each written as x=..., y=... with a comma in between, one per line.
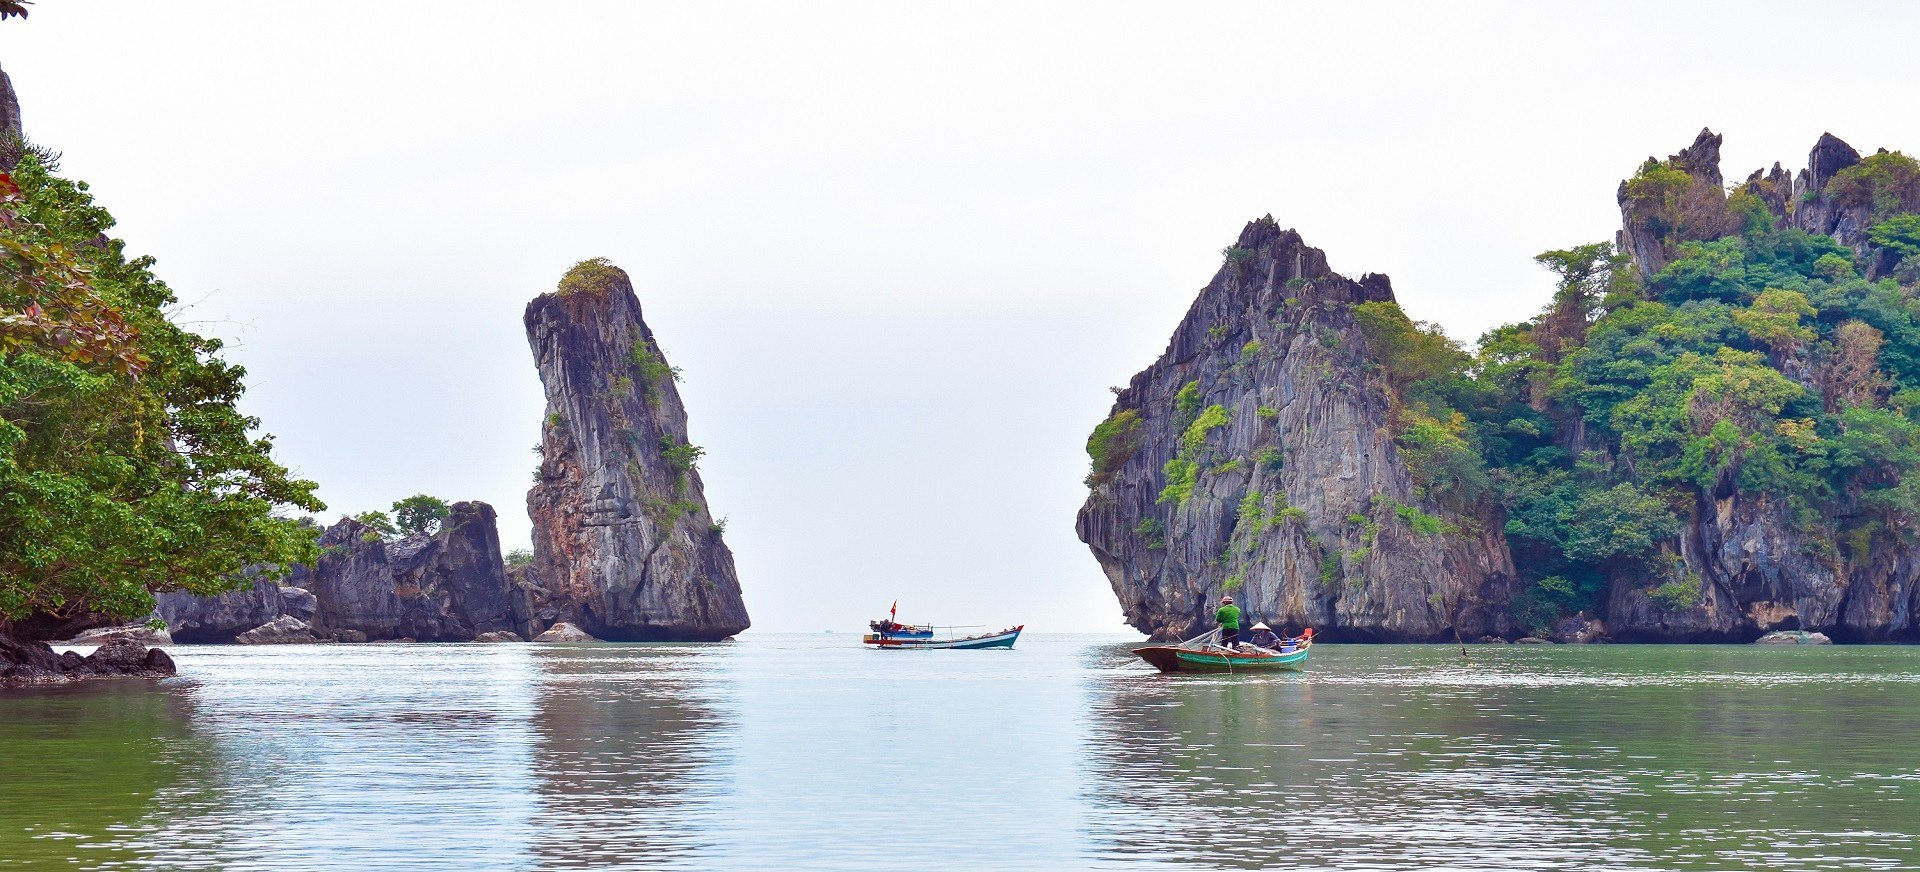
x=900, y=251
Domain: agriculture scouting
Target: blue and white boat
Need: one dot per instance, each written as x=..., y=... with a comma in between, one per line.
x=891, y=634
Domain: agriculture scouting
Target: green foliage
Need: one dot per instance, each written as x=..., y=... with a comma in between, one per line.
x=1186, y=403
x=1886, y=183
x=1774, y=318
x=595, y=275
x=1267, y=413
x=1900, y=233
x=380, y=525
x=1152, y=533
x=1112, y=444
x=1673, y=204
x=1236, y=255
x=1250, y=352
x=1217, y=332
x=1422, y=523
x=651, y=368
x=519, y=558
x=1234, y=582
x=1678, y=594
x=1271, y=460
x=125, y=467
x=419, y=514
x=1331, y=567
x=1181, y=475
x=1195, y=436
x=684, y=457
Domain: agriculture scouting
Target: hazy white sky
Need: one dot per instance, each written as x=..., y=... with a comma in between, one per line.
x=900, y=249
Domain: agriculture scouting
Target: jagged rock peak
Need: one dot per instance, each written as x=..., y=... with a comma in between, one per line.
x=1828, y=156
x=1701, y=159
x=623, y=541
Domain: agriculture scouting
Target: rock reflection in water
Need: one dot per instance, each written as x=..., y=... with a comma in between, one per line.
x=1403, y=757
x=629, y=753
x=337, y=756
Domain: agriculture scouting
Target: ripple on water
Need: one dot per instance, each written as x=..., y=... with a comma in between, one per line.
x=807, y=752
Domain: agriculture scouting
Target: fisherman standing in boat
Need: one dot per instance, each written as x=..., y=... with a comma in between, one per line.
x=1229, y=617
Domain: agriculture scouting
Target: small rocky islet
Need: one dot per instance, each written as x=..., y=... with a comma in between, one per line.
x=1708, y=436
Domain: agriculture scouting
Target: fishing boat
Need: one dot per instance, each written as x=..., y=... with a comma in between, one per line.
x=1003, y=639
x=1204, y=653
x=893, y=635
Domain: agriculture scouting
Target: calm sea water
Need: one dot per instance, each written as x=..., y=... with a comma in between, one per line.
x=807, y=752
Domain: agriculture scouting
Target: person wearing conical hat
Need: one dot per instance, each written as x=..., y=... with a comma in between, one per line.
x=1263, y=636
x=1229, y=617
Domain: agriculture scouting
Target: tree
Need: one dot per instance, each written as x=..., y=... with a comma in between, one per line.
x=14, y=8
x=1585, y=276
x=379, y=522
x=419, y=514
x=1773, y=320
x=124, y=466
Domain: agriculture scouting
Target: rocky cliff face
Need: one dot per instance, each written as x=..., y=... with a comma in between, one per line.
x=623, y=542
x=1256, y=457
x=450, y=586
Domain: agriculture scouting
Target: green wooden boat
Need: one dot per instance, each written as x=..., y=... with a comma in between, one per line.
x=1195, y=655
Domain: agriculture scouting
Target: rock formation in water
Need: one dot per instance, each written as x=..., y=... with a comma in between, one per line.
x=24, y=663
x=624, y=545
x=193, y=619
x=450, y=586
x=1256, y=457
x=1706, y=439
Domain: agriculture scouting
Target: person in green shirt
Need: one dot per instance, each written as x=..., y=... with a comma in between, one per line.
x=1229, y=617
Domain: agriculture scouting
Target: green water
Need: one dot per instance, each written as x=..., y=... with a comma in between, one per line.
x=808, y=752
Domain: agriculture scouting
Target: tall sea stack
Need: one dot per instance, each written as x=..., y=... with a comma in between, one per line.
x=623, y=542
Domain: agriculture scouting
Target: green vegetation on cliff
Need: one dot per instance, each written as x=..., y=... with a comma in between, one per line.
x=124, y=466
x=1761, y=360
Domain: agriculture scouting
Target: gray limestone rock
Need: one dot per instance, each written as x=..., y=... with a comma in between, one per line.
x=564, y=632
x=1300, y=502
x=624, y=544
x=283, y=630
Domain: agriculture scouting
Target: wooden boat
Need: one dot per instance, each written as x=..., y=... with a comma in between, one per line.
x=888, y=641
x=1205, y=654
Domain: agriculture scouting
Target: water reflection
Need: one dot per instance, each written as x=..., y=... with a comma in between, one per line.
x=630, y=753
x=1402, y=757
x=80, y=766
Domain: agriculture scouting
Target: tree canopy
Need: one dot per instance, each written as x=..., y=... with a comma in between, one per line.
x=125, y=467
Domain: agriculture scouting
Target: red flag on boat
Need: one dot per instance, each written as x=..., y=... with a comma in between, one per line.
x=895, y=611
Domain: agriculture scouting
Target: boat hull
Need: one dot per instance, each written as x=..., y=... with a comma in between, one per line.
x=1172, y=658
x=1002, y=639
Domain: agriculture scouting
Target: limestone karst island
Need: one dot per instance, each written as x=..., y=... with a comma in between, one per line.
x=681, y=436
